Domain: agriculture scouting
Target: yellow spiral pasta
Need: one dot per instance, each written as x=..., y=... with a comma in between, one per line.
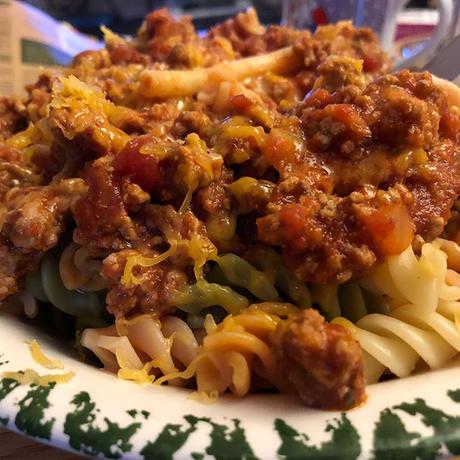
x=237, y=350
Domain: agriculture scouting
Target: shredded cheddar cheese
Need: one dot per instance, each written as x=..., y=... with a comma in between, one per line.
x=129, y=279
x=187, y=200
x=341, y=321
x=139, y=376
x=41, y=358
x=186, y=374
x=75, y=95
x=29, y=376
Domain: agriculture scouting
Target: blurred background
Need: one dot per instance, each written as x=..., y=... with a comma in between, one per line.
x=125, y=16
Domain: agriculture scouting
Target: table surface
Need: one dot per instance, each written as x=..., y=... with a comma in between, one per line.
x=15, y=446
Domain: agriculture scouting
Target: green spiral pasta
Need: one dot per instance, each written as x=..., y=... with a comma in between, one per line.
x=326, y=298
x=351, y=301
x=243, y=274
x=196, y=321
x=203, y=294
x=270, y=262
x=75, y=303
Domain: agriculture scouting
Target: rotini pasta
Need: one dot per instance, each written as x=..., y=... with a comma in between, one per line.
x=410, y=279
x=411, y=331
x=145, y=349
x=46, y=285
x=79, y=271
x=240, y=348
x=135, y=348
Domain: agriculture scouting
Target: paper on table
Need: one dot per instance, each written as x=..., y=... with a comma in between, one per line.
x=31, y=41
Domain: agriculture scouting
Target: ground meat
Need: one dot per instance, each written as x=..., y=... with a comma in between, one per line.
x=358, y=43
x=388, y=173
x=153, y=292
x=193, y=165
x=126, y=54
x=192, y=121
x=31, y=221
x=103, y=224
x=160, y=33
x=154, y=288
x=34, y=215
x=13, y=266
x=11, y=118
x=84, y=117
x=92, y=59
x=248, y=37
x=212, y=198
x=160, y=118
x=172, y=224
x=321, y=237
x=39, y=95
x=340, y=40
x=13, y=171
x=322, y=361
x=405, y=110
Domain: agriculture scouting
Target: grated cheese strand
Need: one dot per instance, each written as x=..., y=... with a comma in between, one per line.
x=139, y=376
x=40, y=358
x=29, y=377
x=129, y=279
x=186, y=374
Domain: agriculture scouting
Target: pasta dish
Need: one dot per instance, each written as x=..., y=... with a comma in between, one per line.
x=255, y=209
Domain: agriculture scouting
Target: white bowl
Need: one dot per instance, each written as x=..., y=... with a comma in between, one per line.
x=97, y=414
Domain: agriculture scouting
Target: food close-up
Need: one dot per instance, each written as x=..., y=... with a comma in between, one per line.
x=252, y=209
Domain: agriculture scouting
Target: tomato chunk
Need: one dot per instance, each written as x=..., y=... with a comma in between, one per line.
x=279, y=149
x=143, y=169
x=391, y=229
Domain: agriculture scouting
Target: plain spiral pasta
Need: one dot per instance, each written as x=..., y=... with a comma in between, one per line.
x=140, y=347
x=423, y=324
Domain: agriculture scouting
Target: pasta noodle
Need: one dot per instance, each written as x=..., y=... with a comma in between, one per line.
x=47, y=285
x=203, y=294
x=135, y=347
x=240, y=273
x=229, y=355
x=79, y=271
x=161, y=83
x=416, y=330
x=239, y=348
